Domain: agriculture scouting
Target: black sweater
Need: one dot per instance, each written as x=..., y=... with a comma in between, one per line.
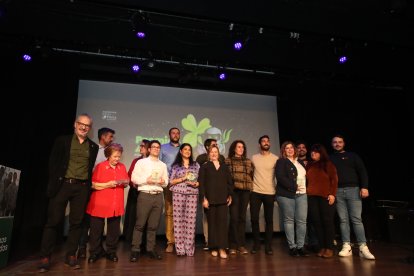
x=215, y=185
x=351, y=170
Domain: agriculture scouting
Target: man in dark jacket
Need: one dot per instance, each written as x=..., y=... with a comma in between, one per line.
x=352, y=188
x=70, y=170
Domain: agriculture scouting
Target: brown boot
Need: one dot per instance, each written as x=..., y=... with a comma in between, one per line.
x=321, y=252
x=328, y=253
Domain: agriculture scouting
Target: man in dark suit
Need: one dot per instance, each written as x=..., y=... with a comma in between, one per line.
x=70, y=170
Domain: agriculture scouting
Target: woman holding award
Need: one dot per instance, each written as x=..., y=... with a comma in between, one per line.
x=109, y=179
x=184, y=187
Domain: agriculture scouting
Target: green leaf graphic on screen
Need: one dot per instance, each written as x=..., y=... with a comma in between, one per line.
x=194, y=130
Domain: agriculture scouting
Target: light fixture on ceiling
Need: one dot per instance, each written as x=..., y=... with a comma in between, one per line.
x=140, y=22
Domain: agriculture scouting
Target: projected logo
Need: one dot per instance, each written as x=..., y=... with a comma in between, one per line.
x=109, y=115
x=199, y=132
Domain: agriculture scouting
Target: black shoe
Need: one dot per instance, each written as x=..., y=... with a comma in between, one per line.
x=293, y=252
x=301, y=252
x=269, y=251
x=255, y=249
x=44, y=265
x=154, y=255
x=94, y=257
x=112, y=257
x=82, y=253
x=134, y=256
x=72, y=262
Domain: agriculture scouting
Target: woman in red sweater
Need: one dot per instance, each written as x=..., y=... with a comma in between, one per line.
x=322, y=183
x=107, y=201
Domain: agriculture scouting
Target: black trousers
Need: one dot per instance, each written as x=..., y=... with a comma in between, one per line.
x=113, y=231
x=238, y=209
x=322, y=216
x=130, y=214
x=77, y=195
x=218, y=229
x=268, y=201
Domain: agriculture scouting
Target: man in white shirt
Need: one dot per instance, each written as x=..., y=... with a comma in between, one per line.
x=151, y=176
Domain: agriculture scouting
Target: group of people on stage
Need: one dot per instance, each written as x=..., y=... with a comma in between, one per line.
x=309, y=191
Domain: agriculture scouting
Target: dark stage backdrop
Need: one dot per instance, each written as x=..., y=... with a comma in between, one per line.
x=39, y=103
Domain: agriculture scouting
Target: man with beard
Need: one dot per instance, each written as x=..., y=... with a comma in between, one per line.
x=264, y=189
x=352, y=188
x=168, y=153
x=302, y=152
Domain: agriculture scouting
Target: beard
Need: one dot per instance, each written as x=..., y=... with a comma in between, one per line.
x=265, y=147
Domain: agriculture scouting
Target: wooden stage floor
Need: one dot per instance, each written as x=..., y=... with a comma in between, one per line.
x=391, y=259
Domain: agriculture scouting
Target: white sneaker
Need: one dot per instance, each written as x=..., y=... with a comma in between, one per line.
x=364, y=252
x=346, y=250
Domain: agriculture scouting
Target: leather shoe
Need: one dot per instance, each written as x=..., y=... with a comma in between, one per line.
x=302, y=252
x=328, y=253
x=154, y=255
x=44, y=265
x=112, y=257
x=293, y=252
x=94, y=257
x=255, y=249
x=269, y=251
x=321, y=252
x=243, y=250
x=72, y=262
x=134, y=256
x=169, y=248
x=82, y=253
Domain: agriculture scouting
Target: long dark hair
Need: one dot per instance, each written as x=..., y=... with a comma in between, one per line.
x=324, y=160
x=232, y=149
x=179, y=158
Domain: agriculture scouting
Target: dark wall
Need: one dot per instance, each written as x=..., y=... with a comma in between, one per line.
x=377, y=124
x=39, y=102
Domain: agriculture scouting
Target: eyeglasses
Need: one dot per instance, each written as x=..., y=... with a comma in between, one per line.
x=154, y=147
x=84, y=125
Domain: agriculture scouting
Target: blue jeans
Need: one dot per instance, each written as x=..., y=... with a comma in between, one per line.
x=349, y=206
x=294, y=211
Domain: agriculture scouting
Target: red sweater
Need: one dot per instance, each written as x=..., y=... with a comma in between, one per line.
x=108, y=202
x=321, y=183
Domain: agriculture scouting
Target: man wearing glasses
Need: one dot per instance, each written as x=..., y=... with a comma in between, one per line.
x=151, y=176
x=70, y=170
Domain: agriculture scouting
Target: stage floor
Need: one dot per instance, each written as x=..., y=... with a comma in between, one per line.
x=391, y=259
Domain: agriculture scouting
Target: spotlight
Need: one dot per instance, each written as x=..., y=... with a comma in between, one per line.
x=342, y=59
x=140, y=34
x=222, y=76
x=140, y=22
x=238, y=45
x=26, y=57
x=135, y=68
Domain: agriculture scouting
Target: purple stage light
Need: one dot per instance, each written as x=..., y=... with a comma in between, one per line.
x=222, y=76
x=27, y=57
x=140, y=34
x=343, y=59
x=135, y=68
x=238, y=45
